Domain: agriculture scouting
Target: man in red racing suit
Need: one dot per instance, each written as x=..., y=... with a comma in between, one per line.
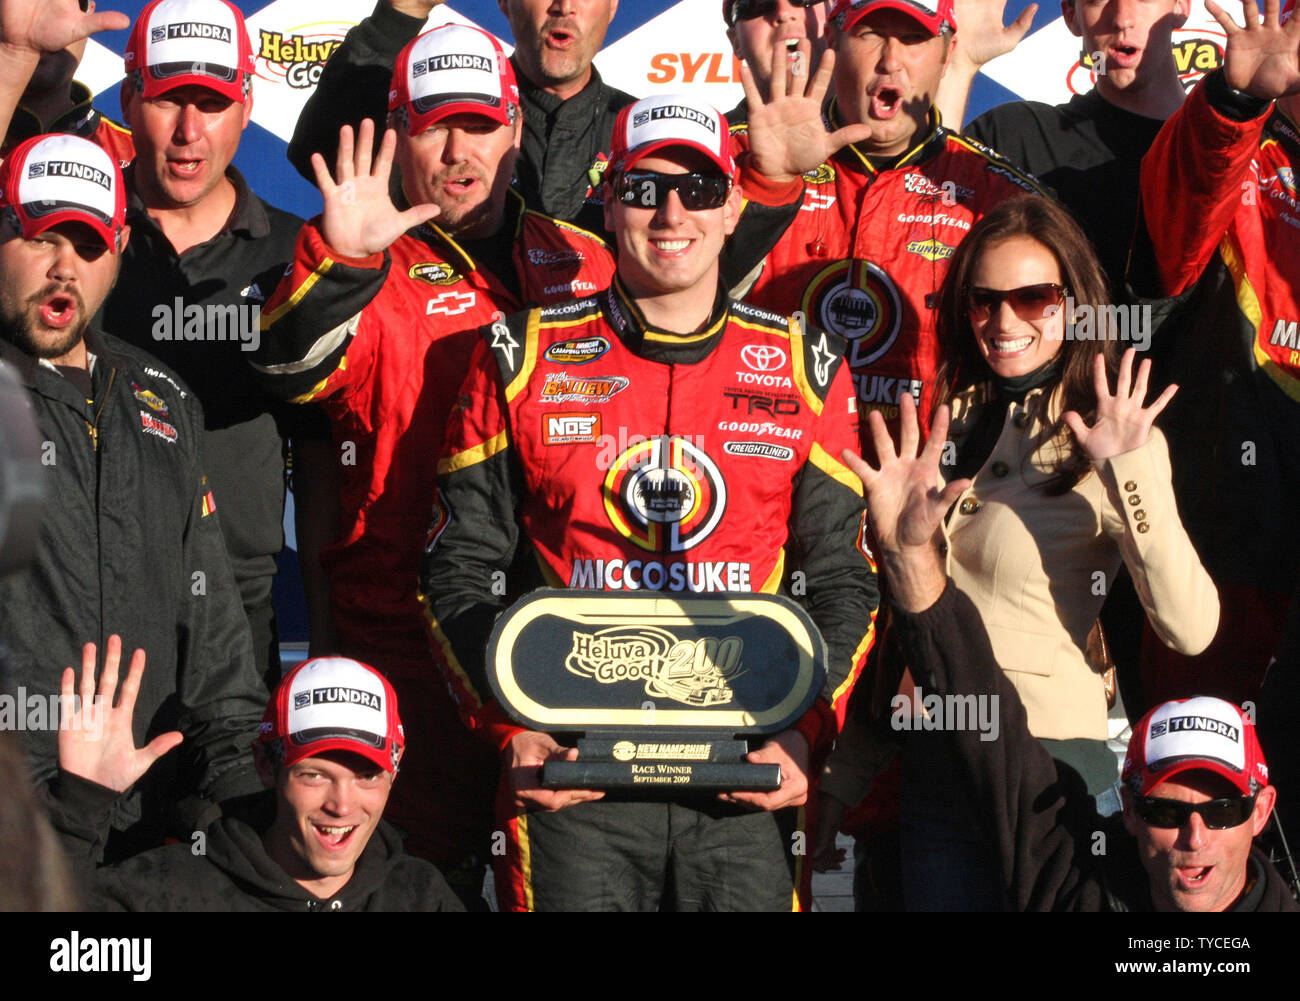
x=566, y=412
x=381, y=336
x=1222, y=214
x=880, y=219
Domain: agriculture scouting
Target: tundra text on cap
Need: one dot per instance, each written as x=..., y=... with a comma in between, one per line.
x=668, y=120
x=335, y=704
x=1201, y=733
x=930, y=14
x=60, y=178
x=180, y=43
x=452, y=70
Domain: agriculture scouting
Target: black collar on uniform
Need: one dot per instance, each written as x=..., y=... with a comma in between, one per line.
x=512, y=222
x=581, y=103
x=930, y=145
x=248, y=217
x=27, y=365
x=623, y=314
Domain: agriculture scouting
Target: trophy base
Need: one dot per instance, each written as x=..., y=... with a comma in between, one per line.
x=704, y=763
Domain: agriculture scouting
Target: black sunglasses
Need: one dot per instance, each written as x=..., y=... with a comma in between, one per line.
x=747, y=10
x=1030, y=302
x=1218, y=814
x=648, y=190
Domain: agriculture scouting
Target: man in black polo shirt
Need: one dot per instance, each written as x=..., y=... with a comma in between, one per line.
x=568, y=110
x=206, y=253
x=1088, y=150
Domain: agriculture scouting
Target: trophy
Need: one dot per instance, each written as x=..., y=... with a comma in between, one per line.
x=661, y=690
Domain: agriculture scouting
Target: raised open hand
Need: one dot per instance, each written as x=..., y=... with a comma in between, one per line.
x=360, y=218
x=904, y=502
x=50, y=25
x=95, y=738
x=1263, y=58
x=1122, y=423
x=787, y=136
x=981, y=35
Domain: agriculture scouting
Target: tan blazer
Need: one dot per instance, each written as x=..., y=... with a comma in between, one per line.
x=1038, y=567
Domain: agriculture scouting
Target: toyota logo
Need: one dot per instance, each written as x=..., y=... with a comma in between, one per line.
x=762, y=357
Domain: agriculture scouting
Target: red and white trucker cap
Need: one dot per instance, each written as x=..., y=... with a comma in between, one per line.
x=335, y=704
x=1288, y=9
x=932, y=14
x=668, y=120
x=1201, y=733
x=60, y=178
x=454, y=69
x=179, y=43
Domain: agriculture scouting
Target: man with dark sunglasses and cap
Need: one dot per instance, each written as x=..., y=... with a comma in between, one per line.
x=130, y=541
x=41, y=45
x=1195, y=783
x=660, y=370
x=327, y=750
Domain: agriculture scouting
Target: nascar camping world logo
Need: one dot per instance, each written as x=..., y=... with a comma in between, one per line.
x=665, y=494
x=862, y=306
x=694, y=672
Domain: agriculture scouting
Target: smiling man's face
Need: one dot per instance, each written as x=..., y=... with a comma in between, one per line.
x=327, y=809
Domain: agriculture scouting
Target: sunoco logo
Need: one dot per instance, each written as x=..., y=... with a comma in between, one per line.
x=297, y=59
x=694, y=672
x=931, y=250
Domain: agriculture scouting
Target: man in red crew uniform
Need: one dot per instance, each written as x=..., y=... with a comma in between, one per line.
x=377, y=322
x=869, y=249
x=569, y=420
x=1221, y=210
x=41, y=45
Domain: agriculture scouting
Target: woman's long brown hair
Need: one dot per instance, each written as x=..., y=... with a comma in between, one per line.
x=1042, y=220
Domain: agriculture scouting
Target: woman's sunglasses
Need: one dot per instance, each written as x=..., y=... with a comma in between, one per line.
x=1030, y=302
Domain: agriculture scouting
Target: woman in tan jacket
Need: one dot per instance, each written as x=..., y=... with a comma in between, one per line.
x=1063, y=478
